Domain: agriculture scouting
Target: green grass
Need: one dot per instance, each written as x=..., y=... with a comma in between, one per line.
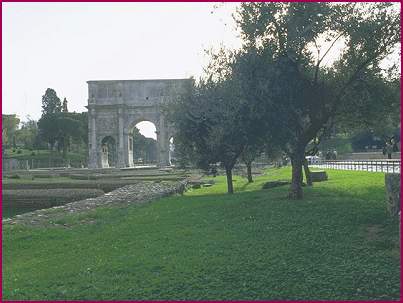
x=336, y=244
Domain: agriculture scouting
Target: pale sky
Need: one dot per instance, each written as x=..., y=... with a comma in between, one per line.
x=63, y=45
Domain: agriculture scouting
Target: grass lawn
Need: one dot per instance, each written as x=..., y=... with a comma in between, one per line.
x=336, y=244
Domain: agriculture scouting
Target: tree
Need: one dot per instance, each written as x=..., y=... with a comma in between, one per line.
x=47, y=129
x=294, y=40
x=58, y=125
x=67, y=127
x=9, y=127
x=62, y=128
x=50, y=102
x=143, y=147
x=222, y=118
x=27, y=134
x=208, y=120
x=248, y=155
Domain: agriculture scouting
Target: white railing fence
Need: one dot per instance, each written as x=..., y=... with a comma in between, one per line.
x=383, y=165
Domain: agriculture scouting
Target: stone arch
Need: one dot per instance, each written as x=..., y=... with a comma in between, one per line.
x=115, y=107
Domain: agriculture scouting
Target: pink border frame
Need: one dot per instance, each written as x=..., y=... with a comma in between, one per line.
x=1, y=187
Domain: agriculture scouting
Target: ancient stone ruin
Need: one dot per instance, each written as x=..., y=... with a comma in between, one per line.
x=114, y=109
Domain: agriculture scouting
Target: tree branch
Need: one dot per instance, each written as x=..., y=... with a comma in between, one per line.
x=324, y=55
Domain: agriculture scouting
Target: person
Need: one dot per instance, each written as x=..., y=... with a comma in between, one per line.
x=334, y=155
x=328, y=156
x=320, y=154
x=389, y=149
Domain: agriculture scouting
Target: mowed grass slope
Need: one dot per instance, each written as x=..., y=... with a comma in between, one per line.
x=337, y=243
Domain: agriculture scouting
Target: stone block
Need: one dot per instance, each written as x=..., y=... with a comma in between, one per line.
x=392, y=185
x=318, y=176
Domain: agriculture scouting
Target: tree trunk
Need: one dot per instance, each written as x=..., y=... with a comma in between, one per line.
x=295, y=192
x=249, y=171
x=64, y=150
x=307, y=173
x=230, y=186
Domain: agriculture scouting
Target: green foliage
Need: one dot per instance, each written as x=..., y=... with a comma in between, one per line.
x=58, y=125
x=253, y=245
x=64, y=128
x=208, y=120
x=27, y=134
x=50, y=102
x=144, y=148
x=47, y=130
x=292, y=41
x=341, y=143
x=9, y=127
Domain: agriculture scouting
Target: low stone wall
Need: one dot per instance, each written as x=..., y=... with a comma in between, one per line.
x=141, y=192
x=47, y=197
x=392, y=185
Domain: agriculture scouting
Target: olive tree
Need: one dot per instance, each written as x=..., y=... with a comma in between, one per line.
x=323, y=62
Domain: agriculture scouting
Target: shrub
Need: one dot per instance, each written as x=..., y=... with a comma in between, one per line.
x=19, y=151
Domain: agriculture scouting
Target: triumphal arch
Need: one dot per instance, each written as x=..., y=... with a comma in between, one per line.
x=114, y=109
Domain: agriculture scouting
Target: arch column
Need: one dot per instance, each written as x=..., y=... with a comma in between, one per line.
x=123, y=145
x=92, y=151
x=99, y=152
x=163, y=143
x=128, y=148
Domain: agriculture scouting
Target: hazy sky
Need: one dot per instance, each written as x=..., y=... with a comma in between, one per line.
x=63, y=45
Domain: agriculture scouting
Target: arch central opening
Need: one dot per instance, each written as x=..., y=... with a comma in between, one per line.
x=143, y=143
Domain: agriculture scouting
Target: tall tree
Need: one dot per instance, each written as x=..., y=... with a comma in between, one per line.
x=294, y=41
x=50, y=102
